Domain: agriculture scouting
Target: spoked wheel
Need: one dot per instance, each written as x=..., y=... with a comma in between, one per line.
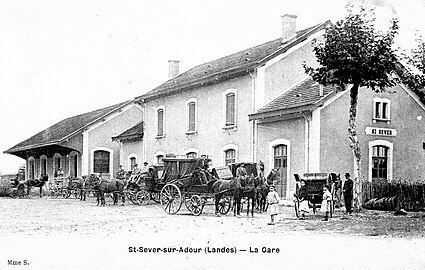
x=224, y=205
x=297, y=207
x=142, y=197
x=53, y=192
x=155, y=197
x=195, y=204
x=171, y=198
x=131, y=195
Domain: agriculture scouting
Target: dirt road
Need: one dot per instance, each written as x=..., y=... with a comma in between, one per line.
x=70, y=234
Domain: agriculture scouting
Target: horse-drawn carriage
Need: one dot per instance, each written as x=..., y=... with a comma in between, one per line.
x=314, y=183
x=188, y=180
x=64, y=187
x=143, y=187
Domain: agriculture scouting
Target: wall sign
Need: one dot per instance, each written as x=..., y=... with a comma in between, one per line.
x=389, y=132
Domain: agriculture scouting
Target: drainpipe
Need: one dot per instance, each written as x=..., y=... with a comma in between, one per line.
x=307, y=169
x=254, y=126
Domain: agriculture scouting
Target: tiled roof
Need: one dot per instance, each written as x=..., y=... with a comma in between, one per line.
x=64, y=128
x=135, y=132
x=231, y=65
x=306, y=93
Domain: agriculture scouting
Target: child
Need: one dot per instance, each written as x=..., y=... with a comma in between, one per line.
x=326, y=202
x=302, y=196
x=272, y=200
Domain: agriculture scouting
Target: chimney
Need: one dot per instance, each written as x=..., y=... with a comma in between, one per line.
x=173, y=68
x=321, y=90
x=289, y=27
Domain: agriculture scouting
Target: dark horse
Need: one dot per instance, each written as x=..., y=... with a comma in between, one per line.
x=36, y=183
x=101, y=186
x=249, y=190
x=78, y=184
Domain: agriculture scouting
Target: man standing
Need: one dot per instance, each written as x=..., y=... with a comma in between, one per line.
x=120, y=173
x=348, y=193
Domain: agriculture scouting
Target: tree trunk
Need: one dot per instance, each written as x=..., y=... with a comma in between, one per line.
x=354, y=144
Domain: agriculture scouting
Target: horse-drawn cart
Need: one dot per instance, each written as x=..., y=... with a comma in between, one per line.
x=143, y=187
x=187, y=180
x=314, y=183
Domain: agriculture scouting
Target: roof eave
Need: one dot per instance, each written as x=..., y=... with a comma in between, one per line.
x=28, y=147
x=283, y=111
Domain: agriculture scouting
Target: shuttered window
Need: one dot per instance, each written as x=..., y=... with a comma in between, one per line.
x=230, y=109
x=192, y=116
x=160, y=116
x=101, y=161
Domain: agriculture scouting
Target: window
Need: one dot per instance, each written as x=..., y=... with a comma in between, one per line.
x=43, y=166
x=101, y=161
x=191, y=116
x=230, y=109
x=133, y=162
x=160, y=122
x=379, y=162
x=31, y=172
x=229, y=156
x=381, y=109
x=159, y=159
x=191, y=155
x=280, y=156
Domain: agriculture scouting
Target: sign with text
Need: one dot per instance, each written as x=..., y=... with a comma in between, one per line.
x=390, y=132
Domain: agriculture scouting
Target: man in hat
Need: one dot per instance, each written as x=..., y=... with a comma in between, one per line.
x=348, y=193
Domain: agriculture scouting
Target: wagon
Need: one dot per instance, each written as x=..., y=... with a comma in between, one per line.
x=63, y=187
x=185, y=180
x=314, y=185
x=144, y=187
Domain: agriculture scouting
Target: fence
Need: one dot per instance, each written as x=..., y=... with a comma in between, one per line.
x=408, y=195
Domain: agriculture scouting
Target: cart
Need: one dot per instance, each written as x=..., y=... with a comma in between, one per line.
x=185, y=180
x=314, y=185
x=145, y=187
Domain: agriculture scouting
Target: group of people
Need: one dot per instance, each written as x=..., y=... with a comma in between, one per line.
x=302, y=195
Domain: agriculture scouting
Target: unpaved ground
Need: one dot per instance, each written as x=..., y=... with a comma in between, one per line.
x=100, y=237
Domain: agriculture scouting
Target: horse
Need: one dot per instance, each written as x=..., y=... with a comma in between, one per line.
x=114, y=186
x=36, y=183
x=262, y=190
x=78, y=184
x=248, y=190
x=222, y=187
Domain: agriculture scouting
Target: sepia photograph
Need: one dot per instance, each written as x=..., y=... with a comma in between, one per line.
x=236, y=134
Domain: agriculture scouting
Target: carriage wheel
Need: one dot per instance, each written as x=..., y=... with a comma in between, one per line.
x=297, y=207
x=142, y=197
x=171, y=198
x=155, y=196
x=195, y=205
x=224, y=205
x=67, y=193
x=53, y=192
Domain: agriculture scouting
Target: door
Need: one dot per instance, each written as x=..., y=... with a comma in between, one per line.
x=281, y=163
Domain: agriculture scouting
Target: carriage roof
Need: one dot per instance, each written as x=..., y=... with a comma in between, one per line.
x=175, y=168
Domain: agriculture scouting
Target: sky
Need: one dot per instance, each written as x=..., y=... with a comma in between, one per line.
x=60, y=58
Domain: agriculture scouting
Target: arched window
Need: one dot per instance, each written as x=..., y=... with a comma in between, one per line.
x=101, y=161
x=133, y=162
x=159, y=159
x=229, y=156
x=280, y=162
x=43, y=165
x=31, y=168
x=380, y=162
